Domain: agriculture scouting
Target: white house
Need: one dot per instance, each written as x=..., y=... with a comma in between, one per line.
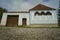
x=38, y=16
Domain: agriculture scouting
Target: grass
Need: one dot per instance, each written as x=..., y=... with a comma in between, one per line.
x=30, y=27
x=23, y=26
x=9, y=28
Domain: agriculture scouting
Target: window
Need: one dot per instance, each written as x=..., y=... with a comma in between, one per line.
x=59, y=10
x=36, y=13
x=48, y=13
x=42, y=13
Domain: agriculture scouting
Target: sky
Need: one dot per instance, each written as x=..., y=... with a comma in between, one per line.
x=25, y=5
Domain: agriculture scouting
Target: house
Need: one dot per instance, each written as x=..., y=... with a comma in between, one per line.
x=38, y=16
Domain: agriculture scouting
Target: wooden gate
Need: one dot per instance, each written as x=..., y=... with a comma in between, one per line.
x=12, y=20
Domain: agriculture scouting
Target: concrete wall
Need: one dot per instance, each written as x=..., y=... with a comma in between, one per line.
x=43, y=19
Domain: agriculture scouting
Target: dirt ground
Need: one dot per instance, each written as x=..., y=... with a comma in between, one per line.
x=17, y=33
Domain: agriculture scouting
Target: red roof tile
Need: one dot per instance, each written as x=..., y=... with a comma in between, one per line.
x=42, y=7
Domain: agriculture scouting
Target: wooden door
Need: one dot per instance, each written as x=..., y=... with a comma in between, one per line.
x=12, y=20
x=24, y=21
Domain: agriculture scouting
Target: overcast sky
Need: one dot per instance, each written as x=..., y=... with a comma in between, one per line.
x=25, y=5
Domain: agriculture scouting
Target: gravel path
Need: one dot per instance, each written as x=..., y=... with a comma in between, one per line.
x=13, y=33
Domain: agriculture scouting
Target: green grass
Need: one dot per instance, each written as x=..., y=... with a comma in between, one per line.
x=8, y=28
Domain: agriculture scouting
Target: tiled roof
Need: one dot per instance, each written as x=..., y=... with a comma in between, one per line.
x=42, y=7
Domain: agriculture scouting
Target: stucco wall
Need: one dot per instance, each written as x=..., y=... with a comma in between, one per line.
x=44, y=19
x=21, y=15
x=4, y=19
x=32, y=19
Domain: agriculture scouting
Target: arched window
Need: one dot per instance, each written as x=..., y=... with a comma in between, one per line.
x=45, y=13
x=42, y=13
x=36, y=13
x=48, y=13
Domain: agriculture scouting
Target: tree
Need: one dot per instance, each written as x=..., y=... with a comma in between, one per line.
x=2, y=10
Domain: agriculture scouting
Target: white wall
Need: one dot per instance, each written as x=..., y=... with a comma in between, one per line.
x=43, y=19
x=21, y=15
x=4, y=19
x=31, y=19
